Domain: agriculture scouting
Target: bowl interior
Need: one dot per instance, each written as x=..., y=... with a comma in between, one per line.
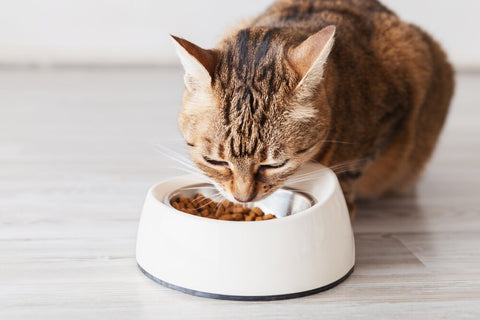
x=283, y=202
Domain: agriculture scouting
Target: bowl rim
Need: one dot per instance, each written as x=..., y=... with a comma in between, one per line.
x=169, y=195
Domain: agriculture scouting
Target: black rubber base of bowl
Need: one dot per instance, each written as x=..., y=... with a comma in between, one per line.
x=246, y=298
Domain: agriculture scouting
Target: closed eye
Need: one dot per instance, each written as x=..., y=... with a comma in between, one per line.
x=272, y=166
x=219, y=163
x=304, y=150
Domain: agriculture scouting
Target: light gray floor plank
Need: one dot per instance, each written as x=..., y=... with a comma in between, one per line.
x=77, y=155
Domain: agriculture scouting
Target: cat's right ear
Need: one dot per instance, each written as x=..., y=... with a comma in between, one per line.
x=199, y=64
x=309, y=58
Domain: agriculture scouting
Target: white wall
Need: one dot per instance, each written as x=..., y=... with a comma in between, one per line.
x=136, y=31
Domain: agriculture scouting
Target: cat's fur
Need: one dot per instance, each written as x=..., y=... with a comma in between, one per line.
x=329, y=80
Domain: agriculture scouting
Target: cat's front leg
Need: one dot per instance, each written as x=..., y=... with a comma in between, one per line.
x=352, y=209
x=348, y=188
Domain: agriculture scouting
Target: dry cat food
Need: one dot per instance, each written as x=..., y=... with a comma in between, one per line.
x=225, y=210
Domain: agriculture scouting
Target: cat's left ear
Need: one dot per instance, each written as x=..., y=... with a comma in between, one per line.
x=199, y=64
x=309, y=58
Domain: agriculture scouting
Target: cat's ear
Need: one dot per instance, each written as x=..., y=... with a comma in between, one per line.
x=199, y=64
x=309, y=58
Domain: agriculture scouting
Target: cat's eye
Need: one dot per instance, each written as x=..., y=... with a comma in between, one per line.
x=219, y=163
x=272, y=166
x=304, y=150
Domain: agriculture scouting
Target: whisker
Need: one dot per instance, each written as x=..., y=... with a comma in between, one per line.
x=306, y=177
x=211, y=200
x=337, y=141
x=187, y=170
x=219, y=203
x=204, y=197
x=203, y=187
x=356, y=163
x=337, y=168
x=185, y=164
x=177, y=157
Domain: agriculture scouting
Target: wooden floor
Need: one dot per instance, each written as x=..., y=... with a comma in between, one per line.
x=77, y=155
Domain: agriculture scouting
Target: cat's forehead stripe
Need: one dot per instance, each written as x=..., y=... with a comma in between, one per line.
x=221, y=151
x=243, y=42
x=252, y=76
x=243, y=147
x=263, y=154
x=264, y=46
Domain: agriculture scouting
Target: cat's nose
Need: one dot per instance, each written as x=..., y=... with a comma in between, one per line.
x=243, y=191
x=250, y=198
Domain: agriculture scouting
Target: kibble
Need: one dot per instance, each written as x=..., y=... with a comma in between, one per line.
x=201, y=206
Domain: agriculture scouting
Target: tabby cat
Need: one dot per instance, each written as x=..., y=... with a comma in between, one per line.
x=325, y=80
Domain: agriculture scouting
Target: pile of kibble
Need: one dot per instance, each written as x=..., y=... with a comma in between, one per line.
x=225, y=210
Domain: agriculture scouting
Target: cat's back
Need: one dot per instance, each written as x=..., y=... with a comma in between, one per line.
x=363, y=27
x=371, y=42
x=352, y=16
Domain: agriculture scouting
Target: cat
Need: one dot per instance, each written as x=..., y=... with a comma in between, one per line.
x=324, y=80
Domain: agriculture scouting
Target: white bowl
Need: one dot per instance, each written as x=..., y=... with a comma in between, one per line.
x=307, y=249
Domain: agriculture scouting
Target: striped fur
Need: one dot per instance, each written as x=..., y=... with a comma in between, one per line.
x=275, y=94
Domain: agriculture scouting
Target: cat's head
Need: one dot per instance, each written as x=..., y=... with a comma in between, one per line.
x=250, y=112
